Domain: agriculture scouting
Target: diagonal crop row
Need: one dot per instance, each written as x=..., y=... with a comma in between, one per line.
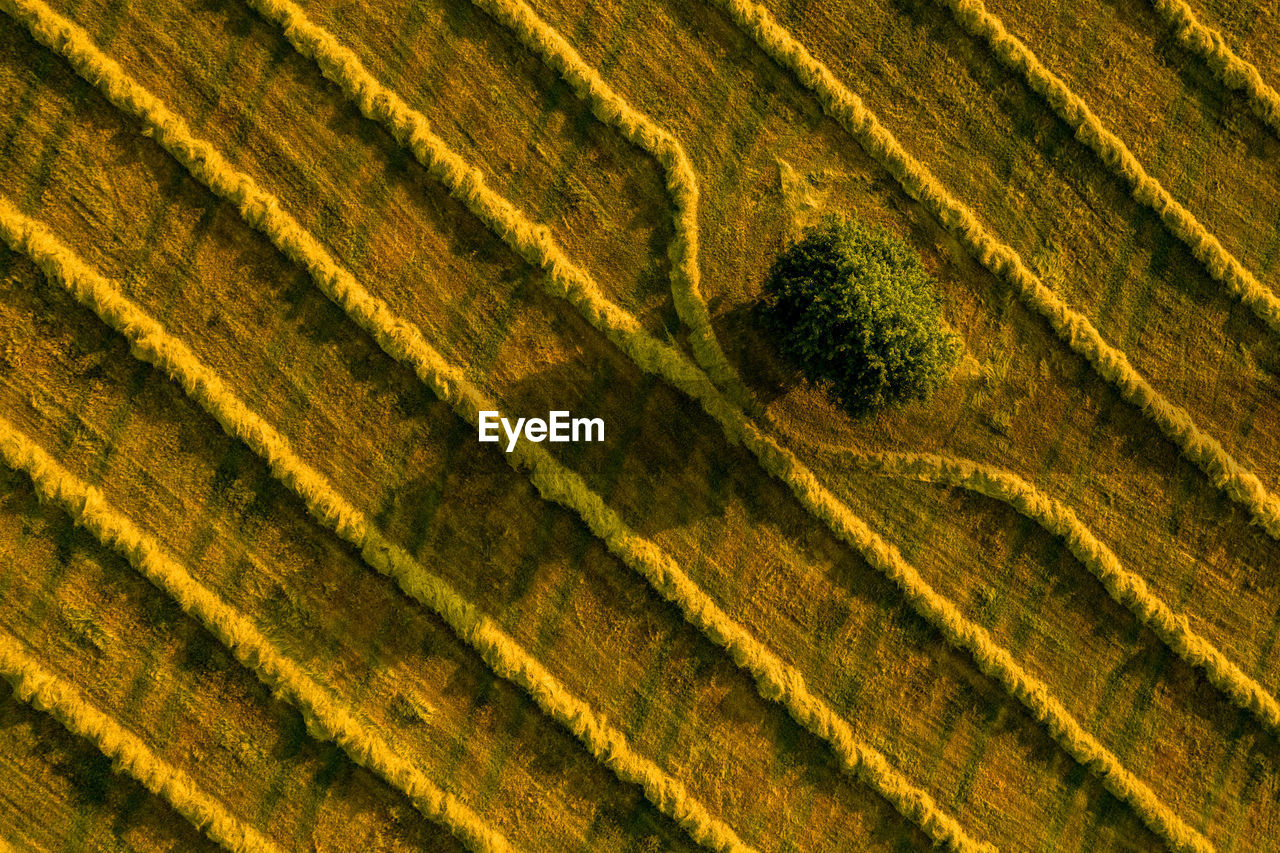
x=1125, y=587
x=404, y=341
x=38, y=687
x=1080, y=335
x=775, y=678
x=565, y=279
x=1089, y=129
x=151, y=343
x=682, y=182
x=326, y=716
x=1233, y=71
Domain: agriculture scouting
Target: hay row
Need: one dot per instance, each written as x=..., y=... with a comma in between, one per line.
x=1126, y=588
x=681, y=180
x=129, y=755
x=405, y=342
x=1232, y=70
x=1089, y=129
x=151, y=343
x=1073, y=328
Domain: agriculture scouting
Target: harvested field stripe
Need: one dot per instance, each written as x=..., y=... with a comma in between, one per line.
x=1089, y=129
x=1125, y=587
x=335, y=722
x=682, y=182
x=405, y=342
x=129, y=754
x=151, y=343
x=1071, y=326
x=1231, y=69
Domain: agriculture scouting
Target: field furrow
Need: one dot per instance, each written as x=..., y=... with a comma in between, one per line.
x=1075, y=224
x=405, y=343
x=1175, y=422
x=1191, y=133
x=161, y=687
x=87, y=508
x=407, y=713
x=1105, y=427
x=1125, y=587
x=536, y=246
x=1229, y=68
x=1128, y=589
x=1246, y=29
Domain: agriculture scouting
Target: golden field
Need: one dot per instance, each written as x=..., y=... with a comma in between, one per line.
x=263, y=263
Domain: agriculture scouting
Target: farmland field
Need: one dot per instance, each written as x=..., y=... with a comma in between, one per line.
x=264, y=262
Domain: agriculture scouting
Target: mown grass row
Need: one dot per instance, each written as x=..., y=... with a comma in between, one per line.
x=1231, y=69
x=35, y=685
x=1125, y=587
x=974, y=18
x=1003, y=261
x=681, y=180
x=775, y=679
x=90, y=510
x=508, y=659
x=534, y=243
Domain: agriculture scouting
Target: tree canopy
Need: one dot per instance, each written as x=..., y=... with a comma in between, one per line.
x=852, y=306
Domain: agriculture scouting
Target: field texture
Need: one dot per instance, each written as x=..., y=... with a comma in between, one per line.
x=263, y=263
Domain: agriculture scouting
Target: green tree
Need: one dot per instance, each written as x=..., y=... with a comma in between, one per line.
x=853, y=307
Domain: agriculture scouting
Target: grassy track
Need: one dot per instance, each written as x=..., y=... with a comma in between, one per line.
x=37, y=686
x=610, y=746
